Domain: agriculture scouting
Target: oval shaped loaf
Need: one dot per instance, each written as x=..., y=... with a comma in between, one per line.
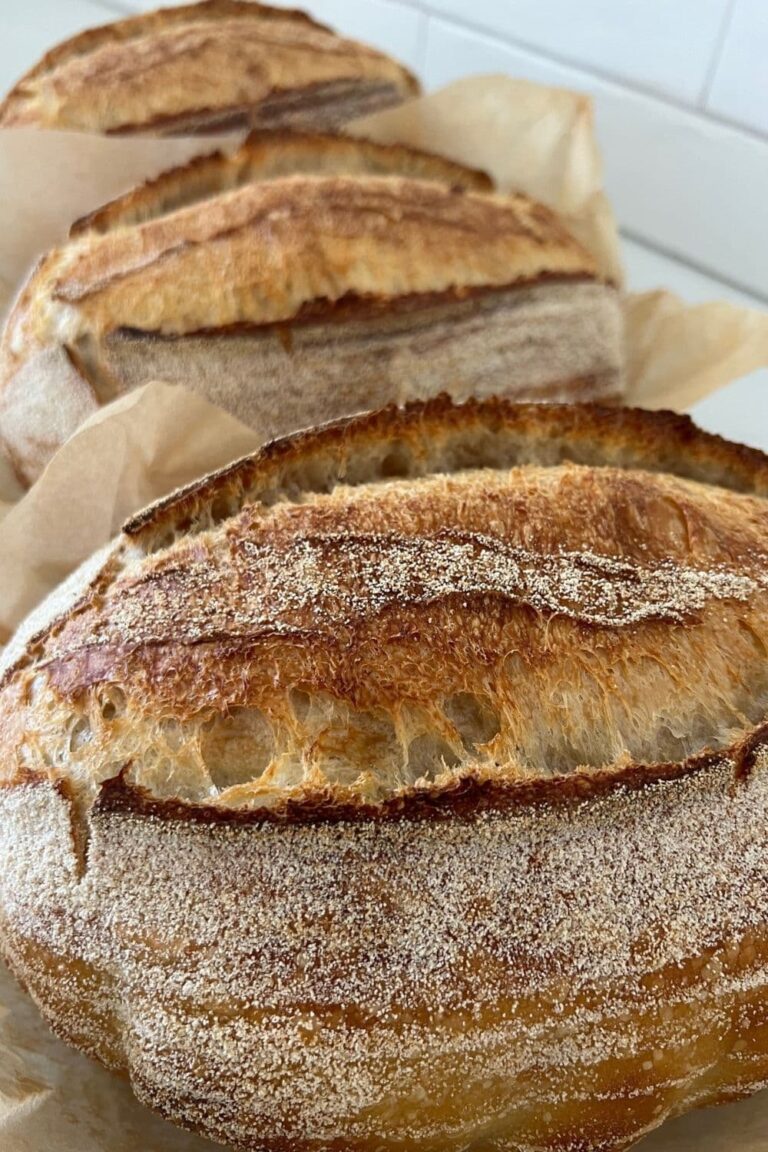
x=215, y=66
x=405, y=786
x=304, y=279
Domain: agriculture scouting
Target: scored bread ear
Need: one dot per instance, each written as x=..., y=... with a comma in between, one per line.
x=440, y=436
x=267, y=155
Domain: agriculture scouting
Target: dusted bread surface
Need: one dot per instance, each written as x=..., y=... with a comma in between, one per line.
x=215, y=66
x=405, y=786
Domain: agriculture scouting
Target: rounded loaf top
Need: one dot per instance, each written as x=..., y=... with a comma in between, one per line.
x=435, y=604
x=218, y=65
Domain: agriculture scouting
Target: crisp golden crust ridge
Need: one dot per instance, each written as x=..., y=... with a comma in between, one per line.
x=144, y=22
x=577, y=433
x=265, y=155
x=275, y=614
x=338, y=230
x=291, y=242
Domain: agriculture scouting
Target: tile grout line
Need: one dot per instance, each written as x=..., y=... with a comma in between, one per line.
x=554, y=57
x=422, y=38
x=756, y=298
x=717, y=55
x=621, y=83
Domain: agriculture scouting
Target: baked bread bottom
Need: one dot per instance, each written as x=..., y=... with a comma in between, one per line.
x=404, y=786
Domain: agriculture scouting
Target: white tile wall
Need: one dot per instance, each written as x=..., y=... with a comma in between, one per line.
x=664, y=45
x=693, y=186
x=740, y=84
x=647, y=269
x=28, y=28
x=397, y=28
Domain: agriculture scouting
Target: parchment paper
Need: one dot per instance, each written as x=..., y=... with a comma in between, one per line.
x=528, y=137
x=531, y=138
x=50, y=179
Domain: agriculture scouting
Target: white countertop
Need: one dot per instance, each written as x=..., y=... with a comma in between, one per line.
x=739, y=411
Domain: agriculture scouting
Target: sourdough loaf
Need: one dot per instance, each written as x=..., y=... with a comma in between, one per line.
x=304, y=279
x=405, y=785
x=214, y=66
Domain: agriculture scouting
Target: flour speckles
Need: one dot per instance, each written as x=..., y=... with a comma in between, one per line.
x=339, y=579
x=409, y=813
x=406, y=980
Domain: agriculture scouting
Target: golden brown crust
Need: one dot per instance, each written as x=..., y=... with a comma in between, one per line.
x=605, y=545
x=265, y=155
x=422, y=758
x=148, y=22
x=378, y=236
x=328, y=237
x=133, y=75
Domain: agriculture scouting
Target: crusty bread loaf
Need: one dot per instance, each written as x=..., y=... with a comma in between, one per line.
x=213, y=66
x=405, y=786
x=306, y=278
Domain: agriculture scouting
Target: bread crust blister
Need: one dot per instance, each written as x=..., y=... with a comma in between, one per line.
x=421, y=757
